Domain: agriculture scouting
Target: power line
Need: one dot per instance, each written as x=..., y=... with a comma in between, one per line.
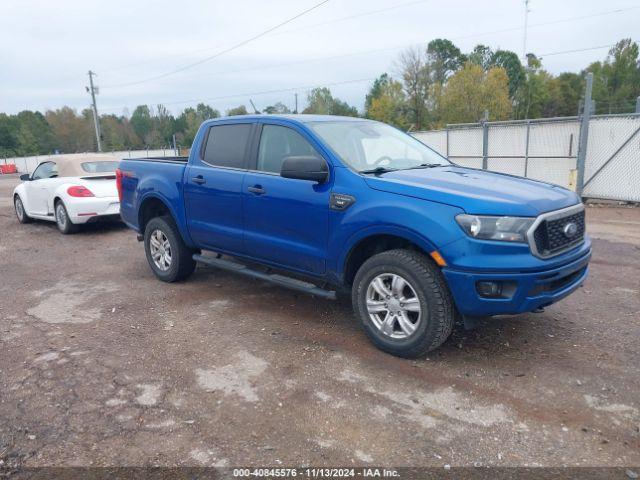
x=553, y=22
x=576, y=50
x=366, y=52
x=306, y=27
x=351, y=17
x=227, y=50
x=263, y=92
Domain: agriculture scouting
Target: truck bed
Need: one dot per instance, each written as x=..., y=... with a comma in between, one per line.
x=160, y=159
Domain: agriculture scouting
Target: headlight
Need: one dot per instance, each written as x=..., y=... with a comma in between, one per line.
x=504, y=229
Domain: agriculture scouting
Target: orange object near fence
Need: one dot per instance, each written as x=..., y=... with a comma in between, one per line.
x=9, y=168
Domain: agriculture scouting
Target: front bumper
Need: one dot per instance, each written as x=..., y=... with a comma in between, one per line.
x=532, y=290
x=92, y=209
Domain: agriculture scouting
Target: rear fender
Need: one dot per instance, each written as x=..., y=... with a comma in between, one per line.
x=177, y=215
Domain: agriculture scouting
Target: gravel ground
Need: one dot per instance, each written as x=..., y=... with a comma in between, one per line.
x=103, y=365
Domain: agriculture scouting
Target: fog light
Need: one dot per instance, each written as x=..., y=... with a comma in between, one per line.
x=489, y=289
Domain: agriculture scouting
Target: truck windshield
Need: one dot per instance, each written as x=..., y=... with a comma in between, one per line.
x=371, y=147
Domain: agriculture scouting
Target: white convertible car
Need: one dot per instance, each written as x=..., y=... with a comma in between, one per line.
x=69, y=190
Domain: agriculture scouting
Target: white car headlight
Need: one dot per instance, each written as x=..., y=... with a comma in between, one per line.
x=504, y=229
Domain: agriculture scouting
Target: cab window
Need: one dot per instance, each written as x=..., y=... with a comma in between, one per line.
x=227, y=144
x=45, y=170
x=277, y=143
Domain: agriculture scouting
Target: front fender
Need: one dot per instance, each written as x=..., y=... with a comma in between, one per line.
x=21, y=191
x=428, y=225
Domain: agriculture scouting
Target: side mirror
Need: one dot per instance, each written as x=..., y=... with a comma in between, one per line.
x=25, y=177
x=305, y=168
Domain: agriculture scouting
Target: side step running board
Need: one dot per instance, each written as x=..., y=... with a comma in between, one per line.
x=281, y=280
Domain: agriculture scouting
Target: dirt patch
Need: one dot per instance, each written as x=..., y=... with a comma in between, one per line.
x=102, y=365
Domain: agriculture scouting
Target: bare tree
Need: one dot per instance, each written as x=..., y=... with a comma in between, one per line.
x=413, y=69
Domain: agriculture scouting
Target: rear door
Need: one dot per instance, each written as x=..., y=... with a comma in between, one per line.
x=285, y=220
x=213, y=187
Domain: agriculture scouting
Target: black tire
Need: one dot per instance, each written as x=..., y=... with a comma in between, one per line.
x=182, y=263
x=427, y=282
x=21, y=213
x=64, y=223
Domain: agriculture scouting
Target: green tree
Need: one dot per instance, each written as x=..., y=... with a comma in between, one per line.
x=8, y=140
x=33, y=134
x=483, y=56
x=444, y=58
x=512, y=65
x=205, y=112
x=142, y=122
x=616, y=81
x=565, y=92
x=321, y=102
x=277, y=108
x=164, y=123
x=386, y=102
x=240, y=110
x=71, y=132
x=471, y=91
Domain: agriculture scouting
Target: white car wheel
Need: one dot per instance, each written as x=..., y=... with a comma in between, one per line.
x=63, y=221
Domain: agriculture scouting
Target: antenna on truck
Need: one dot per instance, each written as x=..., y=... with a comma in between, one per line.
x=255, y=110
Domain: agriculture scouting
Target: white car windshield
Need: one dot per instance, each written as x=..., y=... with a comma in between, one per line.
x=371, y=146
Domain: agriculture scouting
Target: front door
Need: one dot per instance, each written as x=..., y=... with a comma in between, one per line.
x=38, y=188
x=285, y=220
x=213, y=188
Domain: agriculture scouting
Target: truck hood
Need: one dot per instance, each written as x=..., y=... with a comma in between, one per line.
x=476, y=191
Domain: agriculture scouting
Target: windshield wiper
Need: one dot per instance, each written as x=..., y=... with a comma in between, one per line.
x=426, y=165
x=379, y=170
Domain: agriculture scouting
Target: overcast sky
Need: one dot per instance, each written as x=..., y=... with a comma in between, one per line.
x=47, y=47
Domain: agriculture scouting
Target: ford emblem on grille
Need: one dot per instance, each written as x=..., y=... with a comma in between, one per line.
x=570, y=230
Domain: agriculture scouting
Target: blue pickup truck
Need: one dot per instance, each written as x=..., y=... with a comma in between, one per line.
x=330, y=205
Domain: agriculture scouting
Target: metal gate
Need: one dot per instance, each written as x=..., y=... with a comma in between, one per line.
x=612, y=163
x=548, y=150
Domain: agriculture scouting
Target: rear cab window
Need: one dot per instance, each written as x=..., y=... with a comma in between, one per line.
x=227, y=145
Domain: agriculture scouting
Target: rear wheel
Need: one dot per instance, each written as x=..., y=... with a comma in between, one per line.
x=64, y=223
x=21, y=213
x=403, y=303
x=168, y=256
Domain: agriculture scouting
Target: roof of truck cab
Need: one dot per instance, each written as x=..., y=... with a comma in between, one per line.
x=300, y=117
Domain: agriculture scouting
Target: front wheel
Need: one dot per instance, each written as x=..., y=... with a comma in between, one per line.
x=63, y=221
x=403, y=303
x=168, y=256
x=21, y=213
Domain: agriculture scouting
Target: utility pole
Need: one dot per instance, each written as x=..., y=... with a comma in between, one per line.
x=96, y=120
x=526, y=27
x=584, y=134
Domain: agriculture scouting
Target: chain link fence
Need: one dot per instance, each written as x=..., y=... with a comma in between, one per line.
x=548, y=150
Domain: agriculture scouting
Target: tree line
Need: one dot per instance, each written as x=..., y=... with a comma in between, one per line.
x=431, y=86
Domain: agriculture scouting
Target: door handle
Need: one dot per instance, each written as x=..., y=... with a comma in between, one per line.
x=257, y=189
x=199, y=180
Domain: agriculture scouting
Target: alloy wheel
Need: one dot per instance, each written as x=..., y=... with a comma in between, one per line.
x=160, y=249
x=393, y=305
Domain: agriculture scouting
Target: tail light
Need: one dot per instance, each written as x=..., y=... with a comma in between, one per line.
x=79, y=191
x=119, y=183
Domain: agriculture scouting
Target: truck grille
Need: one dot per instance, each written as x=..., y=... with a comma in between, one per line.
x=555, y=235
